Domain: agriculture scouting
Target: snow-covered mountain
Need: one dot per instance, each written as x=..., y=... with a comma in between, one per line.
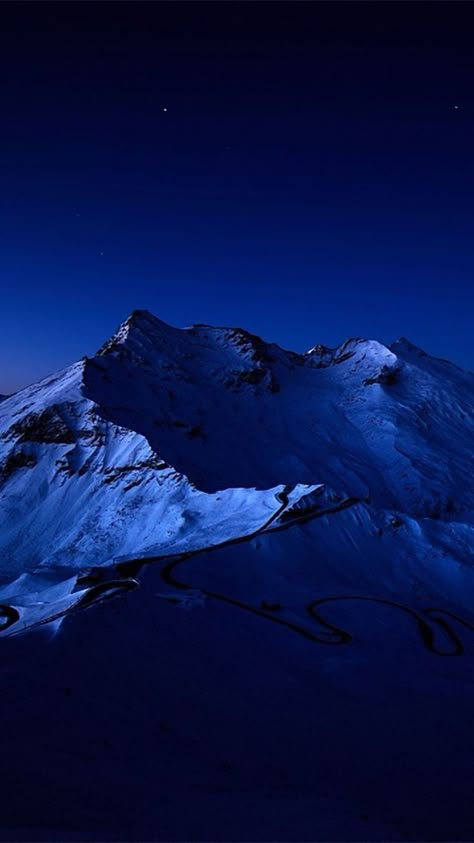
x=310, y=500
x=161, y=442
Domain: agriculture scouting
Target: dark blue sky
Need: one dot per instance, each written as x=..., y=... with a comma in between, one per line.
x=311, y=178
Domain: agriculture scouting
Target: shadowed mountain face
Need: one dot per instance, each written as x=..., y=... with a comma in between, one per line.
x=227, y=409
x=296, y=530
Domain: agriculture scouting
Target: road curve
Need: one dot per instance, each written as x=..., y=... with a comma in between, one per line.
x=341, y=636
x=328, y=634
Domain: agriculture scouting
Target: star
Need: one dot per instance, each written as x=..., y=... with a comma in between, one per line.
x=456, y=107
x=165, y=109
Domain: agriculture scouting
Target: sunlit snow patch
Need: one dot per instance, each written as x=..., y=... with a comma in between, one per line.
x=44, y=597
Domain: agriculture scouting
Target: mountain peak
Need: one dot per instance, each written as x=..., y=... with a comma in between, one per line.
x=139, y=328
x=143, y=320
x=404, y=343
x=355, y=348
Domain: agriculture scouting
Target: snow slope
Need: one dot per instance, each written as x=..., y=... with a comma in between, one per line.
x=296, y=530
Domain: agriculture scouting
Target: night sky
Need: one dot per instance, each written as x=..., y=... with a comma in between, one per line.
x=304, y=170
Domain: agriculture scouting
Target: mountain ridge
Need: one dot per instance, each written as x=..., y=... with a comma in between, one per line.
x=140, y=318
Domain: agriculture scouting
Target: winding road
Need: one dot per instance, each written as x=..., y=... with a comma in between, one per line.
x=334, y=634
x=127, y=570
x=340, y=636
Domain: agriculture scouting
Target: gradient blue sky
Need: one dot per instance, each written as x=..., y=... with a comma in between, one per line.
x=311, y=179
